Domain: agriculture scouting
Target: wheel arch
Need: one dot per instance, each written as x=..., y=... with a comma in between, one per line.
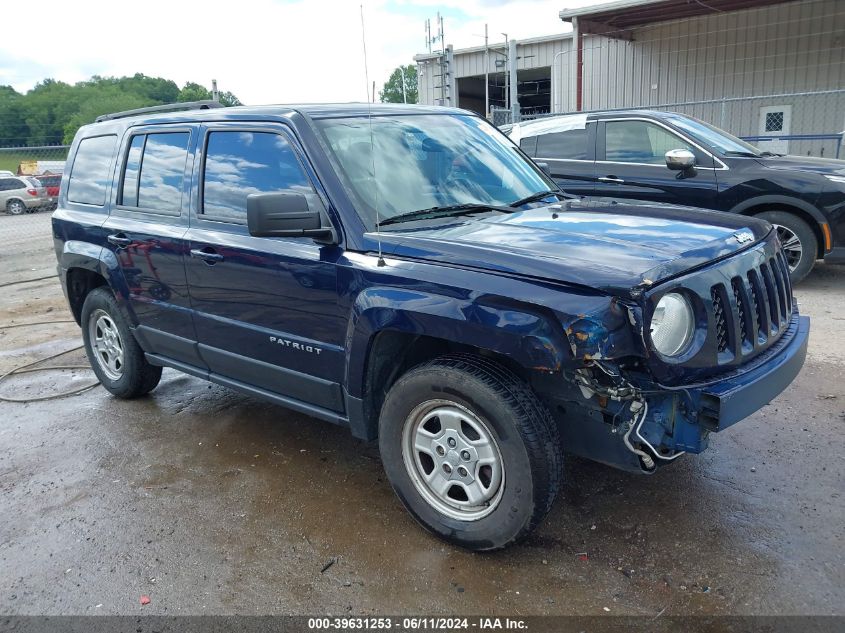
x=86, y=266
x=800, y=208
x=384, y=341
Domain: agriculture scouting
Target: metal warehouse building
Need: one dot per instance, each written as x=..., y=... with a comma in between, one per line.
x=769, y=70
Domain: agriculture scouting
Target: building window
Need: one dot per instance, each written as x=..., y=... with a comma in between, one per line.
x=774, y=121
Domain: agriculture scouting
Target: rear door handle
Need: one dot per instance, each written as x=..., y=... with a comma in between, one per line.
x=208, y=255
x=119, y=239
x=614, y=179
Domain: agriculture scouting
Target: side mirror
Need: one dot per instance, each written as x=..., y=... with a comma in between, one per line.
x=283, y=214
x=544, y=167
x=680, y=159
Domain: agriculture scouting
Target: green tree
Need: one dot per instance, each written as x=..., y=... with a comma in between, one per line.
x=193, y=92
x=53, y=111
x=392, y=91
x=13, y=128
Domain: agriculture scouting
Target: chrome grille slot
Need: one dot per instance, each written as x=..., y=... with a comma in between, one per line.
x=771, y=297
x=746, y=327
x=759, y=305
x=719, y=318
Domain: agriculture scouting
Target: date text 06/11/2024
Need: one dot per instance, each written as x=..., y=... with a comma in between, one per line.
x=417, y=624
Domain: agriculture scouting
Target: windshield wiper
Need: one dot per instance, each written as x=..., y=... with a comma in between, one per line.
x=534, y=197
x=445, y=211
x=738, y=153
x=770, y=154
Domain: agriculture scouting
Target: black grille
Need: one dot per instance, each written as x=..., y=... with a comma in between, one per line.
x=756, y=307
x=745, y=328
x=720, y=321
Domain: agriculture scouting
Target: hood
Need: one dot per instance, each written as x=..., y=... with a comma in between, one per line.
x=613, y=246
x=805, y=163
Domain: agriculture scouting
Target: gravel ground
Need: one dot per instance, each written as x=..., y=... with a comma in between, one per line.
x=210, y=502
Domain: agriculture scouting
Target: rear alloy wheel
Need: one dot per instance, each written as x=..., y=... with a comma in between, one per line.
x=800, y=246
x=15, y=207
x=114, y=354
x=470, y=451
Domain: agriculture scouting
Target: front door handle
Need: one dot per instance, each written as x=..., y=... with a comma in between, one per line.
x=208, y=255
x=119, y=239
x=613, y=179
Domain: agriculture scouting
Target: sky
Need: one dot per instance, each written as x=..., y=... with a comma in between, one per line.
x=264, y=51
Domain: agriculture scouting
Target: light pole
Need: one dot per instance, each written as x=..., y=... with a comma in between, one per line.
x=404, y=94
x=507, y=74
x=556, y=78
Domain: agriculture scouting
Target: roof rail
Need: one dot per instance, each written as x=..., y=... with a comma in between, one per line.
x=167, y=107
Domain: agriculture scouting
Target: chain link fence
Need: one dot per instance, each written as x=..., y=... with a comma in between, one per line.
x=30, y=178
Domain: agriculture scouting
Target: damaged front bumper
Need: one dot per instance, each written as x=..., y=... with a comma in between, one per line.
x=658, y=423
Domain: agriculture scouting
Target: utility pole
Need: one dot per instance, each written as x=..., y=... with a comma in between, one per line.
x=486, y=78
x=215, y=96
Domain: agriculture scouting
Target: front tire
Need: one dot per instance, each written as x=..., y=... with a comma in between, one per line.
x=15, y=207
x=470, y=450
x=112, y=350
x=800, y=245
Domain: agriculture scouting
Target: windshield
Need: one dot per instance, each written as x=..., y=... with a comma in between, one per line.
x=427, y=161
x=718, y=139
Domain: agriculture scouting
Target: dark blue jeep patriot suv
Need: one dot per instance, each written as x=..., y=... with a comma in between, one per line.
x=409, y=273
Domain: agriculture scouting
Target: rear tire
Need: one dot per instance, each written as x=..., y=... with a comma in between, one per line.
x=114, y=354
x=15, y=207
x=470, y=450
x=800, y=244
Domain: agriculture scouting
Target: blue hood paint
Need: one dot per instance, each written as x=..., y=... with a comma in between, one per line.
x=598, y=243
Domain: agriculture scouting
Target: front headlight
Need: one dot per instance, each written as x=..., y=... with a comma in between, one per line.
x=672, y=324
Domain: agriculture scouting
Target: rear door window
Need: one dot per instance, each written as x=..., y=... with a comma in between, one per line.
x=571, y=144
x=91, y=172
x=154, y=173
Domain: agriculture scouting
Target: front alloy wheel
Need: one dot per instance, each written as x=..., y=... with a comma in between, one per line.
x=799, y=242
x=453, y=460
x=792, y=248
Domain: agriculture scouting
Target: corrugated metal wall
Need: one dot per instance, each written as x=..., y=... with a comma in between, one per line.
x=531, y=53
x=790, y=47
x=787, y=48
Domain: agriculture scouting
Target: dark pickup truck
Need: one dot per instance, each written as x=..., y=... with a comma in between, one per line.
x=407, y=272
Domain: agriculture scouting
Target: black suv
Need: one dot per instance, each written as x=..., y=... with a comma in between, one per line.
x=676, y=159
x=407, y=273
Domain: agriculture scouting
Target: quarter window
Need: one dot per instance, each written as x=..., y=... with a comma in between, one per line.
x=640, y=142
x=91, y=172
x=529, y=145
x=238, y=164
x=154, y=172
